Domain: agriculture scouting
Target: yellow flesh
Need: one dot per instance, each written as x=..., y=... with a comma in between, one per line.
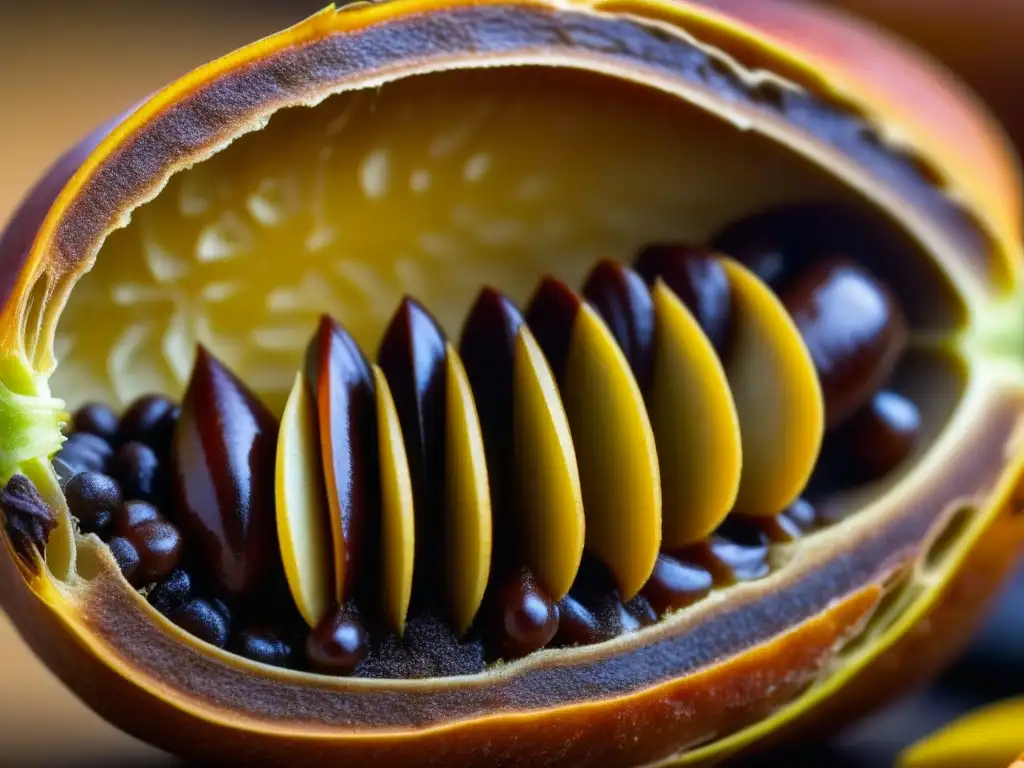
x=777, y=395
x=303, y=529
x=615, y=449
x=467, y=559
x=695, y=425
x=992, y=737
x=398, y=527
x=549, y=501
x=433, y=186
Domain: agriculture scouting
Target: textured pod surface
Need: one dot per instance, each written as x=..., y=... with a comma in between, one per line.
x=948, y=197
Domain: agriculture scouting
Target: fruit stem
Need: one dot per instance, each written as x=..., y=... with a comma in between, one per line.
x=30, y=419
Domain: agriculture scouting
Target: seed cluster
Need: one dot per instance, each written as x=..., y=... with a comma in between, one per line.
x=184, y=495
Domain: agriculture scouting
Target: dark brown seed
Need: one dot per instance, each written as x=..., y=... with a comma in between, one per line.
x=222, y=608
x=412, y=356
x=100, y=525
x=881, y=435
x=577, y=625
x=127, y=558
x=264, y=645
x=337, y=644
x=96, y=419
x=137, y=467
x=89, y=494
x=642, y=611
x=527, y=619
x=802, y=513
x=772, y=244
x=676, y=584
x=742, y=548
x=224, y=457
x=620, y=297
x=171, y=593
x=341, y=382
x=84, y=451
x=132, y=514
x=550, y=315
x=142, y=422
x=159, y=546
x=198, y=617
x=487, y=349
x=696, y=275
x=28, y=519
x=852, y=326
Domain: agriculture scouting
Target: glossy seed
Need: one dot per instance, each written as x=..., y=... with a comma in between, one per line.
x=159, y=546
x=84, y=451
x=224, y=453
x=852, y=326
x=171, y=593
x=577, y=624
x=531, y=462
x=303, y=514
x=527, y=619
x=642, y=611
x=126, y=557
x=264, y=645
x=619, y=478
x=803, y=514
x=675, y=584
x=342, y=384
x=89, y=495
x=139, y=471
x=337, y=644
x=742, y=550
x=146, y=421
x=620, y=297
x=772, y=244
x=96, y=419
x=134, y=513
x=412, y=358
x=198, y=617
x=882, y=435
x=697, y=277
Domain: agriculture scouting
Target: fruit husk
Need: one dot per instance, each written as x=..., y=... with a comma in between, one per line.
x=818, y=642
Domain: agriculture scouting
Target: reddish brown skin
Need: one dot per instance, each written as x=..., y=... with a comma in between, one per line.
x=707, y=702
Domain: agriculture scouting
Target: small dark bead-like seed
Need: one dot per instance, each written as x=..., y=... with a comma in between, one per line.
x=84, y=451
x=642, y=610
x=134, y=513
x=337, y=644
x=264, y=645
x=96, y=419
x=159, y=546
x=674, y=584
x=101, y=524
x=138, y=469
x=126, y=556
x=201, y=619
x=222, y=608
x=142, y=421
x=90, y=493
x=171, y=593
x=527, y=619
x=577, y=625
x=880, y=436
x=697, y=277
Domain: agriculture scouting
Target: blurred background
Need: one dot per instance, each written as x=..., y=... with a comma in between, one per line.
x=66, y=68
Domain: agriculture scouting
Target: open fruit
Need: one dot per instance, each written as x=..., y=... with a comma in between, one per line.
x=518, y=383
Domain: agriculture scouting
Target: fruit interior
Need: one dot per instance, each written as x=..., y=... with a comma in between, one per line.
x=436, y=187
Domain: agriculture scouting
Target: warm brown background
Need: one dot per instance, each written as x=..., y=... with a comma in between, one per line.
x=65, y=68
